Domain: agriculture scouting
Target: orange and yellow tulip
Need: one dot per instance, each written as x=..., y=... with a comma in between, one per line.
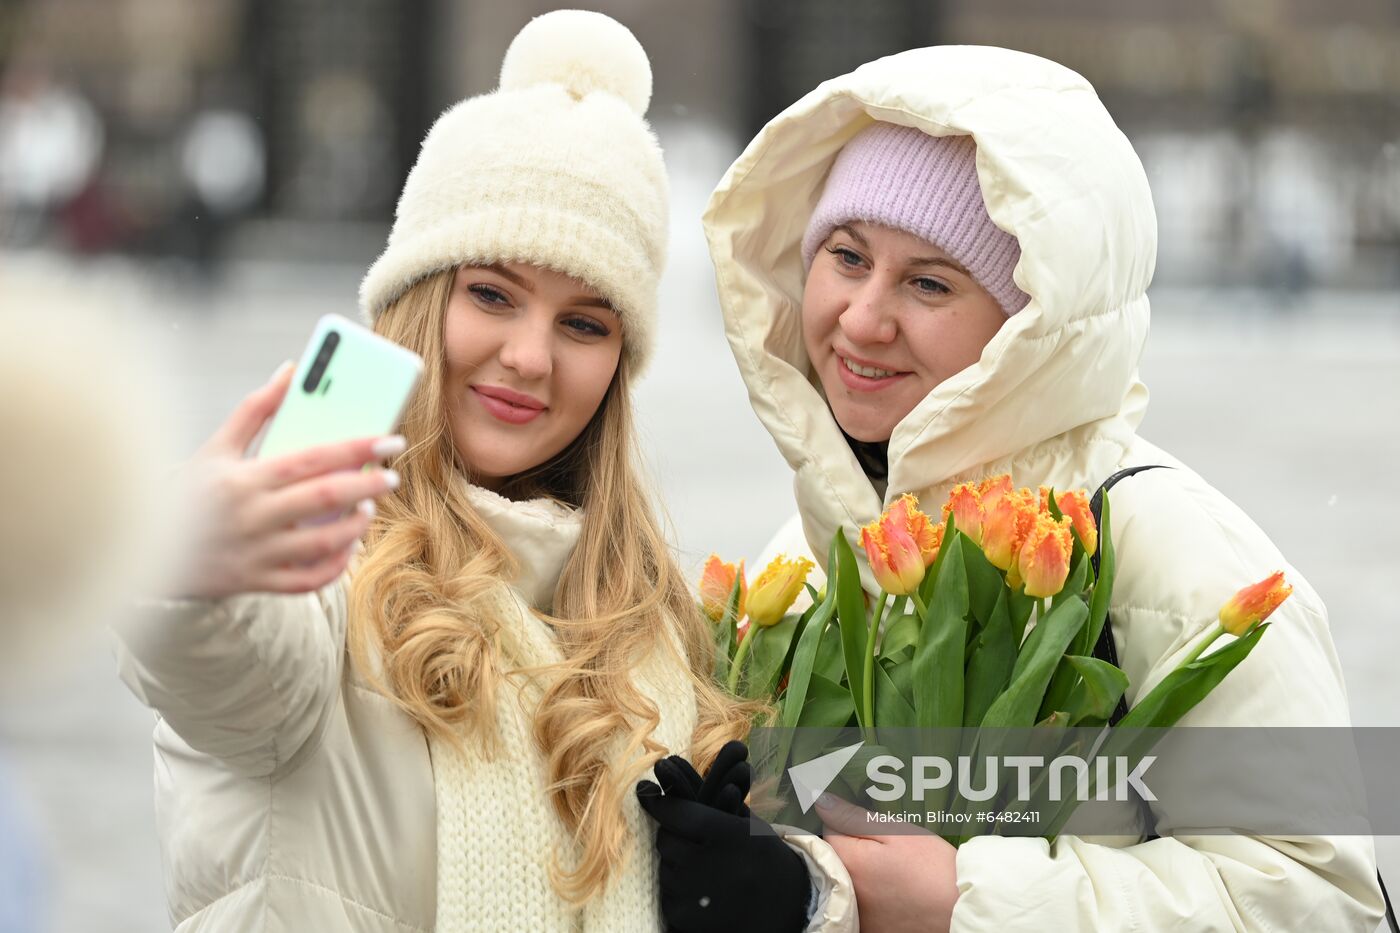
x=991, y=490
x=716, y=582
x=901, y=545
x=1044, y=559
x=1007, y=523
x=966, y=506
x=893, y=556
x=1253, y=604
x=1074, y=505
x=776, y=589
x=927, y=535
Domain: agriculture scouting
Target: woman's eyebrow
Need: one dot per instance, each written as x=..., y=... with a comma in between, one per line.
x=505, y=273
x=851, y=232
x=939, y=261
x=591, y=301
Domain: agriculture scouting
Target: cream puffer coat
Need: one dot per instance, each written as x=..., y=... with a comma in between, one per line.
x=1055, y=399
x=292, y=797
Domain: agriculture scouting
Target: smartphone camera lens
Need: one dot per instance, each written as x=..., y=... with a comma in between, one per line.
x=323, y=358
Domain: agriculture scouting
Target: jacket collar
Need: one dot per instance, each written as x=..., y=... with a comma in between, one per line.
x=541, y=534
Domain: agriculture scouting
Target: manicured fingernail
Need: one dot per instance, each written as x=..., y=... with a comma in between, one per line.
x=827, y=802
x=390, y=446
x=367, y=506
x=281, y=370
x=391, y=479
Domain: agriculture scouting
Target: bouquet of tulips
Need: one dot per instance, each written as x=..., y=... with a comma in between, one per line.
x=987, y=619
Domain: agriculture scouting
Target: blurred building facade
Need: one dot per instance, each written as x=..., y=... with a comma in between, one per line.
x=1270, y=128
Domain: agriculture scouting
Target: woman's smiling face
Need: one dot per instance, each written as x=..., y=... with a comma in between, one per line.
x=886, y=317
x=530, y=355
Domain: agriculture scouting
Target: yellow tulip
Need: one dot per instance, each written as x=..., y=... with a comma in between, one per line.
x=1253, y=604
x=716, y=582
x=1044, y=559
x=776, y=589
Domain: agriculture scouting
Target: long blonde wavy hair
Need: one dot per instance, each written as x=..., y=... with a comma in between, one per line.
x=422, y=620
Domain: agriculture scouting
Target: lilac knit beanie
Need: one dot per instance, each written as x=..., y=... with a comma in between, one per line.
x=901, y=177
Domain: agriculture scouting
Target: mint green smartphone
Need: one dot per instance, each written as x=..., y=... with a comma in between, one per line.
x=350, y=383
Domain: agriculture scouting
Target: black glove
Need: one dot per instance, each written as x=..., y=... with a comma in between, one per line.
x=722, y=869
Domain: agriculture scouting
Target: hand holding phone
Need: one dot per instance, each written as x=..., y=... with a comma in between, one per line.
x=253, y=525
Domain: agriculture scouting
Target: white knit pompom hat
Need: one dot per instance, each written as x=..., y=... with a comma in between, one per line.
x=557, y=168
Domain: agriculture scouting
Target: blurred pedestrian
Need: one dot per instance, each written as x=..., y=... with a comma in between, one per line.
x=76, y=538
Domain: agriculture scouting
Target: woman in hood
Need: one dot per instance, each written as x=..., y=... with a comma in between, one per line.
x=933, y=270
x=441, y=729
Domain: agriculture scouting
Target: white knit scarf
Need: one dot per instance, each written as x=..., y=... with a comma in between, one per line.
x=496, y=829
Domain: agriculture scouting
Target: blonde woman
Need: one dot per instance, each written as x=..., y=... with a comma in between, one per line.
x=441, y=729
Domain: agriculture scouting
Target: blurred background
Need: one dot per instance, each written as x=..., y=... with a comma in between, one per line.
x=186, y=186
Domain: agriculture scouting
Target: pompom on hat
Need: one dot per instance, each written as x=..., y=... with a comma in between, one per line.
x=901, y=177
x=557, y=167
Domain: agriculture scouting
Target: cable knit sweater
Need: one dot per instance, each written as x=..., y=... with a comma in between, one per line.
x=290, y=796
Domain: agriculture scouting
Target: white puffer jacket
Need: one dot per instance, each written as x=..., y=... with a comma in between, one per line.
x=1055, y=399
x=291, y=797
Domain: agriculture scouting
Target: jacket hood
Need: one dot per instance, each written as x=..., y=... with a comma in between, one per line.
x=1055, y=396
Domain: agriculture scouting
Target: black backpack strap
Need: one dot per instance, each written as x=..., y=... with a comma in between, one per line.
x=1104, y=649
x=1389, y=910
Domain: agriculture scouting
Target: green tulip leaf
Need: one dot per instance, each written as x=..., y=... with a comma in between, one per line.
x=853, y=619
x=984, y=582
x=804, y=657
x=1019, y=703
x=1103, y=587
x=1021, y=607
x=766, y=656
x=903, y=632
x=829, y=705
x=891, y=706
x=901, y=671
x=989, y=669
x=926, y=589
x=726, y=634
x=1183, y=688
x=829, y=662
x=1063, y=681
x=938, y=658
x=1097, y=691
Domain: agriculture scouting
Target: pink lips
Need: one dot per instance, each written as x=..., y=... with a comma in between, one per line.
x=508, y=406
x=863, y=383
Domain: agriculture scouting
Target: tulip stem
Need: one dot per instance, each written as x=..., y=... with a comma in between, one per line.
x=1205, y=643
x=919, y=604
x=739, y=656
x=870, y=662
